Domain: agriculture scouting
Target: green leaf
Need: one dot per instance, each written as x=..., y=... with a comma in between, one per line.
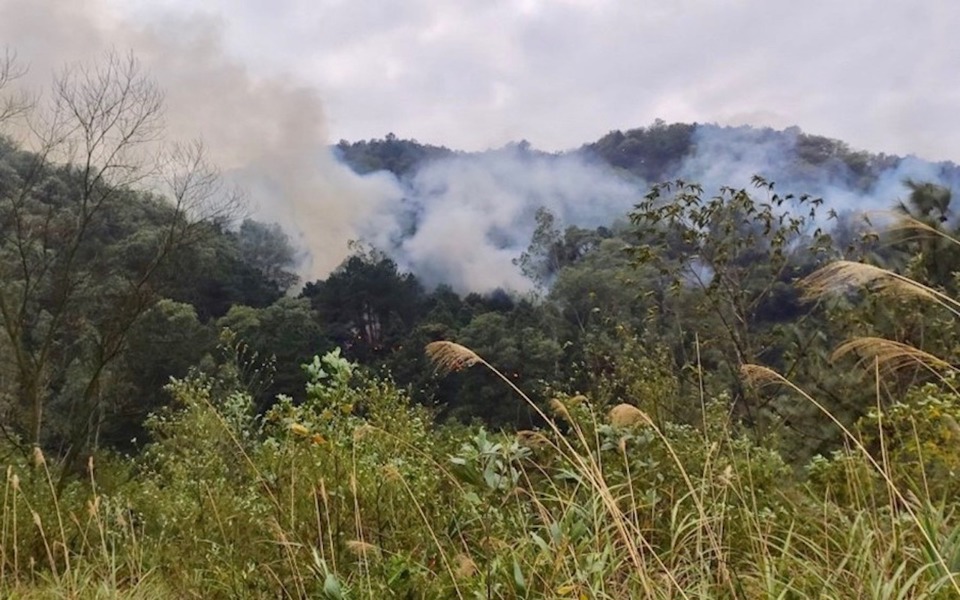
x=518, y=580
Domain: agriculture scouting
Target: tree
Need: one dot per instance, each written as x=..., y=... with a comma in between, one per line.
x=541, y=260
x=924, y=235
x=367, y=306
x=80, y=246
x=212, y=275
x=597, y=289
x=730, y=260
x=12, y=105
x=166, y=341
x=284, y=335
x=267, y=249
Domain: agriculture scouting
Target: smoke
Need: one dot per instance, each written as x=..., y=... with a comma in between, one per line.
x=266, y=133
x=466, y=218
x=730, y=156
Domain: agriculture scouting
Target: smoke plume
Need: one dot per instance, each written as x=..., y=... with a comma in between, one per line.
x=466, y=218
x=460, y=220
x=267, y=134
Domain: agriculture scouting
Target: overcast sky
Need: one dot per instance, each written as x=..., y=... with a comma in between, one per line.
x=883, y=75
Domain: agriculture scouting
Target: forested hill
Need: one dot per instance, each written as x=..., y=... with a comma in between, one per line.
x=618, y=327
x=658, y=152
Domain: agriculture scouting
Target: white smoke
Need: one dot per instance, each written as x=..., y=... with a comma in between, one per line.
x=460, y=220
x=267, y=133
x=724, y=156
x=468, y=217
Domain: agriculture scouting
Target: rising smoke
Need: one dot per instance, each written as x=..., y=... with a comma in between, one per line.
x=267, y=134
x=465, y=218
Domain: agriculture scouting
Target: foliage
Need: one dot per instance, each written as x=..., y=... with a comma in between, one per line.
x=80, y=246
x=357, y=493
x=400, y=157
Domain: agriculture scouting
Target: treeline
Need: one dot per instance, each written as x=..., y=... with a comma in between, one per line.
x=657, y=152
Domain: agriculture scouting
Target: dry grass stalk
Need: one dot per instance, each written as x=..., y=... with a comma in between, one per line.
x=532, y=439
x=759, y=375
x=559, y=409
x=465, y=566
x=362, y=549
x=889, y=354
x=38, y=458
x=846, y=274
x=391, y=473
x=448, y=357
x=362, y=431
x=908, y=223
x=627, y=415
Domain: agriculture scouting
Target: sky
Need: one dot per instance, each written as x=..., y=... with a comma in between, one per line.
x=881, y=75
x=472, y=74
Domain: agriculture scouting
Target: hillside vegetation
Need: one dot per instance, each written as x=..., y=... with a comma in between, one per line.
x=729, y=392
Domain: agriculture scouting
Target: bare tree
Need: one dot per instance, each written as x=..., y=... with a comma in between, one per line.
x=12, y=104
x=76, y=269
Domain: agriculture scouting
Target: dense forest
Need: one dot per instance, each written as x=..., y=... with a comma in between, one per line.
x=181, y=411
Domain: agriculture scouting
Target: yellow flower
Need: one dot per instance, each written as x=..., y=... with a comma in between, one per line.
x=298, y=429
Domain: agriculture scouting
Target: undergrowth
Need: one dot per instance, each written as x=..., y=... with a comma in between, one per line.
x=358, y=494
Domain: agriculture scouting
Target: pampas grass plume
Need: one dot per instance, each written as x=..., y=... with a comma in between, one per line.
x=532, y=439
x=559, y=409
x=466, y=567
x=363, y=549
x=448, y=357
x=38, y=458
x=627, y=415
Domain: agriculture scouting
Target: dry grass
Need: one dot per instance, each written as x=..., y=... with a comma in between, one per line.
x=889, y=354
x=449, y=357
x=845, y=274
x=627, y=415
x=760, y=376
